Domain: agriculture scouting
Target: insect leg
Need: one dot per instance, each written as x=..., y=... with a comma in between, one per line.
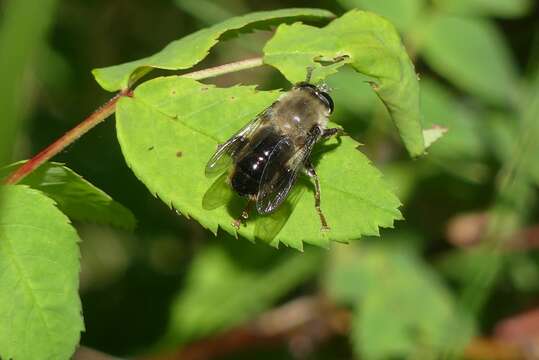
x=312, y=173
x=327, y=133
x=244, y=214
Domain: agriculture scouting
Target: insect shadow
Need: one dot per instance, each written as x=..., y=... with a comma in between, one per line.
x=323, y=149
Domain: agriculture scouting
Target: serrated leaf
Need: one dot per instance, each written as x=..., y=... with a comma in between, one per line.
x=402, y=309
x=40, y=310
x=75, y=197
x=188, y=51
x=174, y=115
x=471, y=53
x=248, y=281
x=372, y=46
x=402, y=13
x=501, y=8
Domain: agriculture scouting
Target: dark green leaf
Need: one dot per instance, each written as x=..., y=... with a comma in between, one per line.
x=40, y=310
x=76, y=197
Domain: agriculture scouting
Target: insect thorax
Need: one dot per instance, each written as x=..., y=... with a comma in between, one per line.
x=298, y=111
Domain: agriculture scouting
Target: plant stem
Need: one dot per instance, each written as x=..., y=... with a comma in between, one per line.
x=108, y=109
x=69, y=137
x=225, y=69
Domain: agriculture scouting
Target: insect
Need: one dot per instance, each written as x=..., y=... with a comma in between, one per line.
x=262, y=161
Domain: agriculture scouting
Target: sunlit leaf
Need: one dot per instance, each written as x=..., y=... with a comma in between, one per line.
x=188, y=51
x=372, y=46
x=473, y=54
x=247, y=281
x=40, y=310
x=75, y=196
x=171, y=126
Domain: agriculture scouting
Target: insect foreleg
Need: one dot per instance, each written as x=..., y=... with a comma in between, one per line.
x=327, y=133
x=312, y=173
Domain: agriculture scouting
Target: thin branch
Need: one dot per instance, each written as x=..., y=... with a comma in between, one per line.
x=225, y=69
x=68, y=138
x=108, y=109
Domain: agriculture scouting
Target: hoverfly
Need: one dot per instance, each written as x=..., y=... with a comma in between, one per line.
x=262, y=160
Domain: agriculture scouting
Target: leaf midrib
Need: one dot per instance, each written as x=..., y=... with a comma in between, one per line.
x=27, y=283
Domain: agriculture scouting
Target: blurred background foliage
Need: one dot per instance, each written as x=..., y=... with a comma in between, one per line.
x=461, y=273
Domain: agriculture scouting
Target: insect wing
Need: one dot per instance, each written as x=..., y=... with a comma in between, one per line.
x=223, y=157
x=281, y=173
x=268, y=227
x=218, y=194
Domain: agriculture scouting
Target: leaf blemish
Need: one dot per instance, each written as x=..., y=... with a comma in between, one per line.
x=150, y=148
x=179, y=154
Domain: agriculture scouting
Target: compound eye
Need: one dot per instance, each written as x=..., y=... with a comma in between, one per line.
x=324, y=96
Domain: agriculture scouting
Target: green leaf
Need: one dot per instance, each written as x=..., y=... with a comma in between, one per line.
x=76, y=197
x=40, y=310
x=402, y=308
x=247, y=279
x=174, y=115
x=472, y=54
x=372, y=46
x=188, y=51
x=402, y=13
x=500, y=8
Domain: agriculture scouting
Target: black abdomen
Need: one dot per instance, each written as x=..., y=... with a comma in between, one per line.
x=251, y=161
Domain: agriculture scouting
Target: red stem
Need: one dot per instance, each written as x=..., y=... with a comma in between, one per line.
x=69, y=137
x=108, y=109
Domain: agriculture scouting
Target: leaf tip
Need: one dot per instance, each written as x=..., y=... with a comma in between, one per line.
x=435, y=133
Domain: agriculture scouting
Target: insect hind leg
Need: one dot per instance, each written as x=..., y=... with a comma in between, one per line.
x=312, y=173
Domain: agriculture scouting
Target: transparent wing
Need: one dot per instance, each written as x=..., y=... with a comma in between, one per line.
x=222, y=158
x=268, y=227
x=219, y=194
x=281, y=173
